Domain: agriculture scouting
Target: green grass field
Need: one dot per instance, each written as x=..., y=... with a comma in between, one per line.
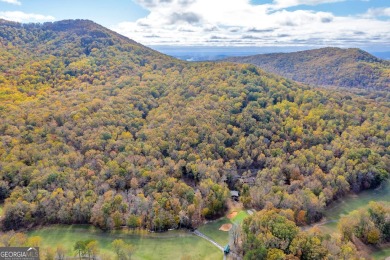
x=175, y=244
x=211, y=229
x=169, y=245
x=381, y=254
x=240, y=217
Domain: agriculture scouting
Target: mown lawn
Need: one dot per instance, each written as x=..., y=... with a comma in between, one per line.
x=381, y=254
x=240, y=217
x=169, y=245
x=211, y=229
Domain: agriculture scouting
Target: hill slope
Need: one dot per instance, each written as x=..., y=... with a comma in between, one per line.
x=96, y=128
x=326, y=67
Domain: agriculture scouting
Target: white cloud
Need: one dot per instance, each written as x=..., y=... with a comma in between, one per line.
x=18, y=16
x=14, y=2
x=290, y=3
x=240, y=22
x=377, y=12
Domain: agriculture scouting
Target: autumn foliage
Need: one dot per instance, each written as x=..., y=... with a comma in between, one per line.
x=96, y=128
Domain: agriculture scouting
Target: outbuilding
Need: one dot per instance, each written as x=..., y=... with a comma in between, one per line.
x=226, y=249
x=234, y=194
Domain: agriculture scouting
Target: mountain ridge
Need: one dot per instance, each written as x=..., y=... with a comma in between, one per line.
x=330, y=66
x=80, y=26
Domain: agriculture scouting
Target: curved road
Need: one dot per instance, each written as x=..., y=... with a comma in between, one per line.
x=318, y=224
x=199, y=234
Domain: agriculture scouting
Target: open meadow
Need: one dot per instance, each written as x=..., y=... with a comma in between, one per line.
x=177, y=244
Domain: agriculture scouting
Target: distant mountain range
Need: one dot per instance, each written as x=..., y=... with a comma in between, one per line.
x=350, y=68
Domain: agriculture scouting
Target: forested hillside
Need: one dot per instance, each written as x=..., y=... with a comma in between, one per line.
x=96, y=128
x=349, y=68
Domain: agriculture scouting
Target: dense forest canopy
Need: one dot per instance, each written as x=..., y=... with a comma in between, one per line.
x=95, y=128
x=347, y=68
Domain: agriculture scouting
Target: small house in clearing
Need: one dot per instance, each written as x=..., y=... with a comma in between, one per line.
x=248, y=180
x=234, y=194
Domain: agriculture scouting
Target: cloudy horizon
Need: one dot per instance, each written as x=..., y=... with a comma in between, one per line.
x=230, y=23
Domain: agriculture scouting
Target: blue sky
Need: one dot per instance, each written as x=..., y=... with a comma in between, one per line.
x=107, y=13
x=342, y=8
x=279, y=23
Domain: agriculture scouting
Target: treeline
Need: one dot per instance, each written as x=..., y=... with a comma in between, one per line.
x=105, y=131
x=272, y=234
x=371, y=224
